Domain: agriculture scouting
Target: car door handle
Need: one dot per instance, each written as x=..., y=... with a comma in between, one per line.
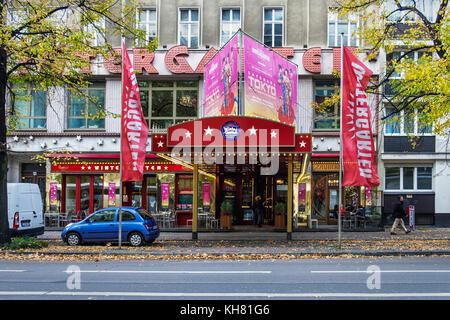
x=112, y=225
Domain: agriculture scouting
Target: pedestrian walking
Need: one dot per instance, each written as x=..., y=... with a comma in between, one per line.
x=399, y=214
x=259, y=211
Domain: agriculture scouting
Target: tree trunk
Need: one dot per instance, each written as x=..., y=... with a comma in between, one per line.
x=4, y=226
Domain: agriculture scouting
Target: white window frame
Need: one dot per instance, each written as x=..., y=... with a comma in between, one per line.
x=402, y=125
x=229, y=24
x=96, y=29
x=272, y=22
x=147, y=23
x=415, y=185
x=430, y=11
x=333, y=17
x=190, y=23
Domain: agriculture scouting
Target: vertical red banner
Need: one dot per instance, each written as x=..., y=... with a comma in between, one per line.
x=358, y=149
x=134, y=128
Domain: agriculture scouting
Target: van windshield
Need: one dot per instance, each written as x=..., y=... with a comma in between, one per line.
x=144, y=214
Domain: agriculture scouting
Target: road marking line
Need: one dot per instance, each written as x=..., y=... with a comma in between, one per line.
x=226, y=294
x=12, y=270
x=385, y=271
x=175, y=272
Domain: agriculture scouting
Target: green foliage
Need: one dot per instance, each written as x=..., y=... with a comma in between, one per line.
x=25, y=243
x=51, y=44
x=422, y=83
x=226, y=207
x=280, y=207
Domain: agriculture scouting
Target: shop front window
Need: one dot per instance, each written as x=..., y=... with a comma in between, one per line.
x=71, y=197
x=83, y=194
x=152, y=188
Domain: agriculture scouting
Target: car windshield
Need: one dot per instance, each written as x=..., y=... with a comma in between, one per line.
x=144, y=214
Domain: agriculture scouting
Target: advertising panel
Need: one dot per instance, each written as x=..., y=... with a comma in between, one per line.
x=165, y=195
x=221, y=81
x=270, y=83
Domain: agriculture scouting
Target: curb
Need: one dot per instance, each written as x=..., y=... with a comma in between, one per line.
x=310, y=253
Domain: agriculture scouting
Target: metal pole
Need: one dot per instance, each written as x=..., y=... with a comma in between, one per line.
x=120, y=156
x=340, y=145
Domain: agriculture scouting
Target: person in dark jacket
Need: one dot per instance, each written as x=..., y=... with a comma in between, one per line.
x=399, y=214
x=259, y=211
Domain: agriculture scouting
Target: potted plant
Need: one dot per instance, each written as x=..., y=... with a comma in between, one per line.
x=280, y=214
x=225, y=214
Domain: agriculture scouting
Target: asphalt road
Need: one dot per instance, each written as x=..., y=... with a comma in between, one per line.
x=316, y=279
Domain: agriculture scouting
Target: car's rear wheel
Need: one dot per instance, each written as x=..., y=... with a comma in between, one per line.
x=136, y=239
x=73, y=239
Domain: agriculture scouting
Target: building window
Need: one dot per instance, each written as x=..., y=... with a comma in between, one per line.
x=325, y=118
x=95, y=32
x=337, y=25
x=408, y=178
x=147, y=22
x=86, y=111
x=406, y=123
x=428, y=8
x=31, y=108
x=188, y=27
x=230, y=24
x=273, y=27
x=165, y=103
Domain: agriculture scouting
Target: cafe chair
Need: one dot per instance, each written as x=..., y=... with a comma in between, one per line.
x=347, y=220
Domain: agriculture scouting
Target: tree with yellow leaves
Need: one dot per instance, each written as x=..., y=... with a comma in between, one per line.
x=414, y=36
x=47, y=43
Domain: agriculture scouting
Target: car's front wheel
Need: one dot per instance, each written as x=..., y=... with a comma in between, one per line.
x=136, y=239
x=73, y=239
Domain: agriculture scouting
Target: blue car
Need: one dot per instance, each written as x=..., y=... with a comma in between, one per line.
x=138, y=227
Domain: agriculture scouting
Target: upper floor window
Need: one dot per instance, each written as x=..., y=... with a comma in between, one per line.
x=273, y=27
x=188, y=27
x=428, y=8
x=408, y=178
x=230, y=24
x=338, y=25
x=96, y=32
x=86, y=111
x=165, y=103
x=147, y=22
x=326, y=118
x=404, y=123
x=31, y=108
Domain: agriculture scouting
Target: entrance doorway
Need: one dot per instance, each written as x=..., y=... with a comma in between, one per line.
x=34, y=173
x=241, y=188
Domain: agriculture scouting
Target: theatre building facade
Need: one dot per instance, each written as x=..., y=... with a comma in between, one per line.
x=81, y=170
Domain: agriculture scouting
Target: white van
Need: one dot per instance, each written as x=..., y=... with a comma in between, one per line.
x=25, y=211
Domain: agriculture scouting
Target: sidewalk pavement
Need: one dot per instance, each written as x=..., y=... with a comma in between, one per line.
x=422, y=241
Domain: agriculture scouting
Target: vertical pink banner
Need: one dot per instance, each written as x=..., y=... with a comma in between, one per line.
x=301, y=197
x=270, y=83
x=112, y=194
x=165, y=195
x=53, y=192
x=221, y=81
x=206, y=195
x=301, y=193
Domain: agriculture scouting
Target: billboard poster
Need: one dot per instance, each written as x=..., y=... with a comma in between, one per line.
x=221, y=81
x=165, y=195
x=270, y=83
